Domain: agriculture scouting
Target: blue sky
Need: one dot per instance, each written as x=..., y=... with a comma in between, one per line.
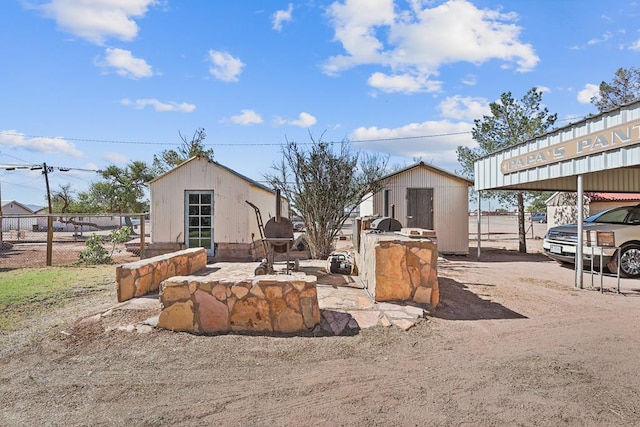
x=88, y=83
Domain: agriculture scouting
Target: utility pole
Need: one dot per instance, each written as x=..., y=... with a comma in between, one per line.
x=45, y=171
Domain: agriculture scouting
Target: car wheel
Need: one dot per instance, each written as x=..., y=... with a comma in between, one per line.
x=630, y=261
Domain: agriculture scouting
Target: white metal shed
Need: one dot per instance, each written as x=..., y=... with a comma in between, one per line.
x=424, y=196
x=202, y=203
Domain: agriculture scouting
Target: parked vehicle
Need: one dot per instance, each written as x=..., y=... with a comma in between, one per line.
x=540, y=217
x=560, y=242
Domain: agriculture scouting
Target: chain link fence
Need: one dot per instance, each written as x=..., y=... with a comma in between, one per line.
x=41, y=240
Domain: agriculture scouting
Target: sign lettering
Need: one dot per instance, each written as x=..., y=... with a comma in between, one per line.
x=609, y=139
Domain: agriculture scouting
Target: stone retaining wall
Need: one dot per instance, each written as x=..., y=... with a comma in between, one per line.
x=139, y=278
x=395, y=267
x=271, y=303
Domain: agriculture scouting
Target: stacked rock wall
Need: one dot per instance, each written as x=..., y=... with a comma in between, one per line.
x=399, y=268
x=272, y=303
x=139, y=278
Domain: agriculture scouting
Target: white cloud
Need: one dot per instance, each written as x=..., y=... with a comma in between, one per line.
x=403, y=83
x=543, y=89
x=418, y=41
x=635, y=45
x=305, y=120
x=58, y=145
x=282, y=16
x=606, y=36
x=247, y=117
x=470, y=80
x=590, y=90
x=432, y=141
x=125, y=64
x=464, y=108
x=159, y=106
x=115, y=158
x=98, y=20
x=224, y=66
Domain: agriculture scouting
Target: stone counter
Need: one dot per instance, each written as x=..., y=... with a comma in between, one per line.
x=139, y=278
x=217, y=304
x=395, y=267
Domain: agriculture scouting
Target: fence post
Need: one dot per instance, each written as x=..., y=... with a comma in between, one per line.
x=142, y=233
x=49, y=240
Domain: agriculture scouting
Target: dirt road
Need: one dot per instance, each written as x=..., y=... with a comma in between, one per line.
x=513, y=343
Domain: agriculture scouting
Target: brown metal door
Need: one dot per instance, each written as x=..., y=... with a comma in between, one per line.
x=420, y=208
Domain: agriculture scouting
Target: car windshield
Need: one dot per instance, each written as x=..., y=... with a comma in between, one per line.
x=624, y=215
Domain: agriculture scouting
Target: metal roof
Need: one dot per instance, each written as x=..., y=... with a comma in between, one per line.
x=604, y=149
x=435, y=169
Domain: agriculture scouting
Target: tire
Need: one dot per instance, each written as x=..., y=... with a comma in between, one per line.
x=630, y=261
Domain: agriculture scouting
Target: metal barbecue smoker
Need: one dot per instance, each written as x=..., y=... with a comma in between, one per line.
x=277, y=238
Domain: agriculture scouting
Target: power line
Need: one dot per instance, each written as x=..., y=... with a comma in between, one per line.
x=220, y=144
x=249, y=144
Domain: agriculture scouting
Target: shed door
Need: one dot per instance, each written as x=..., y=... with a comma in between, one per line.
x=420, y=208
x=199, y=220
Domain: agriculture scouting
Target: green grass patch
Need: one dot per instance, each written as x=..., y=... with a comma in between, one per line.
x=24, y=292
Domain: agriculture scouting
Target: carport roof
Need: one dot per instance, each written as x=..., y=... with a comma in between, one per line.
x=604, y=149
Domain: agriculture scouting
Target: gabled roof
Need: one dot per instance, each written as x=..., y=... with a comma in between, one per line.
x=435, y=169
x=8, y=202
x=192, y=159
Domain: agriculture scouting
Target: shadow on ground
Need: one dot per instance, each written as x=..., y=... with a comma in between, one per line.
x=457, y=302
x=498, y=255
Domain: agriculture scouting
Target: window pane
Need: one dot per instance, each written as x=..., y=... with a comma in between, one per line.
x=194, y=221
x=205, y=210
x=193, y=210
x=205, y=221
x=205, y=199
x=193, y=199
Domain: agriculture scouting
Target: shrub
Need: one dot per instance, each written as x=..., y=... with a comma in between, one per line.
x=96, y=253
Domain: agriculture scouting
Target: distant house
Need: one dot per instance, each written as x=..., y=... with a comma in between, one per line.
x=202, y=203
x=562, y=206
x=11, y=216
x=424, y=196
x=79, y=223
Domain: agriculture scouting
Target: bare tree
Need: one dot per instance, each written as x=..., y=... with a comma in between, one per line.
x=324, y=184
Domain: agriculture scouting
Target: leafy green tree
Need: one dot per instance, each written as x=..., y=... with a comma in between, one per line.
x=624, y=88
x=537, y=202
x=510, y=123
x=168, y=159
x=324, y=184
x=123, y=189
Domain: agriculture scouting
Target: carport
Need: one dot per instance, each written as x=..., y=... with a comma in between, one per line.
x=600, y=153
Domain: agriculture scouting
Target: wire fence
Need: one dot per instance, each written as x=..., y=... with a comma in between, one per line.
x=41, y=240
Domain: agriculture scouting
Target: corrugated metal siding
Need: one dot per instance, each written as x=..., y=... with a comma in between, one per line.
x=234, y=220
x=607, y=171
x=450, y=205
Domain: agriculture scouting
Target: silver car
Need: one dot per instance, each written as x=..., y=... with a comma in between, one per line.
x=560, y=242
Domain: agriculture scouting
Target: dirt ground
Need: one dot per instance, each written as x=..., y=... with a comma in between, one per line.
x=513, y=342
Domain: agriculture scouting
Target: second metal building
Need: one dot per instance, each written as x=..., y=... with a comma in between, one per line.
x=424, y=196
